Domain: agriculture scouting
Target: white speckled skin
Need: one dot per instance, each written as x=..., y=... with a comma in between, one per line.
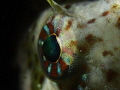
x=96, y=29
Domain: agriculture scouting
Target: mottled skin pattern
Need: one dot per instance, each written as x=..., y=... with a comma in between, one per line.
x=93, y=33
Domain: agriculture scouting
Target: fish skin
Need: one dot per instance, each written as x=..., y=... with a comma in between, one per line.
x=96, y=28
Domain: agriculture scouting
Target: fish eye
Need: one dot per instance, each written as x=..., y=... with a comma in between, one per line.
x=53, y=52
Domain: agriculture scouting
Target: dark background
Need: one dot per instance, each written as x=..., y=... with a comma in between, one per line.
x=15, y=17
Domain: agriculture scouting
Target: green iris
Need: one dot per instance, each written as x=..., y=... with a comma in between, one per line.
x=51, y=49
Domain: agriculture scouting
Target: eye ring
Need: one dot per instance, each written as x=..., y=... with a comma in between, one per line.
x=50, y=35
x=53, y=69
x=56, y=49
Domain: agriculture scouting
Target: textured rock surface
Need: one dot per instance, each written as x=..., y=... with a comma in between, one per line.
x=95, y=31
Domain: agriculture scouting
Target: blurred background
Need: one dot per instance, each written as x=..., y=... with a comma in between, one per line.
x=15, y=18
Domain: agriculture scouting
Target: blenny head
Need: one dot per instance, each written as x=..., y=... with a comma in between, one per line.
x=57, y=45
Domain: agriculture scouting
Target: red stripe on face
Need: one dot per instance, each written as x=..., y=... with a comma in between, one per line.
x=43, y=35
x=51, y=28
x=54, y=70
x=63, y=65
x=46, y=64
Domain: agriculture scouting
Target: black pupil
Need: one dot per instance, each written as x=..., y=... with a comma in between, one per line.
x=51, y=49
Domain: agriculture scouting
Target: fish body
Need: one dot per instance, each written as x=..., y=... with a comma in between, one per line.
x=88, y=38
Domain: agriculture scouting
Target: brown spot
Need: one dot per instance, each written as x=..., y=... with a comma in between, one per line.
x=92, y=39
x=89, y=38
x=73, y=43
x=81, y=26
x=115, y=48
x=69, y=24
x=84, y=48
x=100, y=40
x=105, y=53
x=115, y=6
x=110, y=75
x=67, y=6
x=105, y=13
x=118, y=23
x=91, y=21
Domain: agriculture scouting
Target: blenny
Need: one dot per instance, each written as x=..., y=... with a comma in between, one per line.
x=75, y=46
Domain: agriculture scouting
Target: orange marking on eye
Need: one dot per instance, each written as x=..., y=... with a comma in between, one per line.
x=43, y=35
x=63, y=65
x=46, y=63
x=51, y=28
x=54, y=70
